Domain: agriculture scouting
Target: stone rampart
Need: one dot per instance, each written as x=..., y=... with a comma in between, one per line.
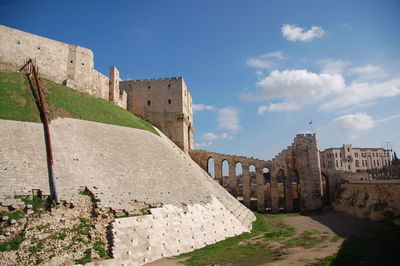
x=63, y=63
x=376, y=200
x=122, y=166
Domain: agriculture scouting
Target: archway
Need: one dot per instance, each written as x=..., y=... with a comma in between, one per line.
x=225, y=172
x=295, y=190
x=267, y=191
x=280, y=177
x=253, y=187
x=325, y=190
x=252, y=175
x=210, y=167
x=239, y=177
x=266, y=175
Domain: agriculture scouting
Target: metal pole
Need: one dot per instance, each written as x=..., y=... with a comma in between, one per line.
x=35, y=70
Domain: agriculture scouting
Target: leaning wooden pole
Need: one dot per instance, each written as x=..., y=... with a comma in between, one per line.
x=42, y=105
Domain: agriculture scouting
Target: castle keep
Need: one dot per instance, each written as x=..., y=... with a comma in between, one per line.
x=166, y=103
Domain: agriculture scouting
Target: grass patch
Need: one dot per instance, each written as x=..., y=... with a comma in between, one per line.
x=36, y=248
x=86, y=258
x=59, y=236
x=325, y=261
x=15, y=215
x=334, y=239
x=240, y=250
x=83, y=228
x=100, y=248
x=36, y=202
x=12, y=244
x=305, y=240
x=84, y=192
x=16, y=100
x=17, y=103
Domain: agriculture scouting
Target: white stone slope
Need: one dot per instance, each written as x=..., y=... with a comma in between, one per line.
x=121, y=165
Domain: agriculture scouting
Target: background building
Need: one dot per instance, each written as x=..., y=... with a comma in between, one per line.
x=352, y=159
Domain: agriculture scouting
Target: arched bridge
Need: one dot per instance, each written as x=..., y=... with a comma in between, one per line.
x=289, y=182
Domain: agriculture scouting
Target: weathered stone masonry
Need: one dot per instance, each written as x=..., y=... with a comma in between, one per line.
x=293, y=182
x=166, y=103
x=63, y=63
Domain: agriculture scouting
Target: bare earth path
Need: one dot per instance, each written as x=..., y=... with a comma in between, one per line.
x=303, y=256
x=331, y=227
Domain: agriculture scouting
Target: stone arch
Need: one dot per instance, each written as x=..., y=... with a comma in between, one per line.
x=267, y=188
x=295, y=186
x=325, y=189
x=252, y=174
x=225, y=172
x=266, y=175
x=211, y=166
x=239, y=172
x=280, y=177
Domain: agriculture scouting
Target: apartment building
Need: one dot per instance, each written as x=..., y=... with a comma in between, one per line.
x=351, y=159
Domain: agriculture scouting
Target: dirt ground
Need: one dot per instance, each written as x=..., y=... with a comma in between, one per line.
x=334, y=227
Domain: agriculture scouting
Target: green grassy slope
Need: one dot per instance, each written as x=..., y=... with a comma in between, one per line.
x=17, y=103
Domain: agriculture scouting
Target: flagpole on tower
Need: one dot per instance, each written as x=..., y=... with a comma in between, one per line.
x=311, y=125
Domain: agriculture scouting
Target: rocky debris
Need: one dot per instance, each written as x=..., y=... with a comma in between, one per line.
x=62, y=235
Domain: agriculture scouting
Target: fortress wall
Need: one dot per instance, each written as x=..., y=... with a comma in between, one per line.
x=52, y=56
x=121, y=165
x=64, y=63
x=374, y=200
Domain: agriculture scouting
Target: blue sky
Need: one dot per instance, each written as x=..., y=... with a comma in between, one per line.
x=258, y=71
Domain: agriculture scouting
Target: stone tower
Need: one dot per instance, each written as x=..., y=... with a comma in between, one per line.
x=166, y=103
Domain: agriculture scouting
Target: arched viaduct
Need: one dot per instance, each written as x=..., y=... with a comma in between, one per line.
x=291, y=181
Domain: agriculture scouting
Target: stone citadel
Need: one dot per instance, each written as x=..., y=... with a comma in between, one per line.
x=124, y=166
x=167, y=104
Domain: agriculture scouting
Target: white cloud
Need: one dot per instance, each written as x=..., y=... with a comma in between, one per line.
x=203, y=144
x=367, y=72
x=265, y=60
x=201, y=107
x=296, y=33
x=297, y=88
x=228, y=118
x=212, y=136
x=363, y=92
x=276, y=54
x=354, y=122
x=388, y=118
x=333, y=66
x=259, y=63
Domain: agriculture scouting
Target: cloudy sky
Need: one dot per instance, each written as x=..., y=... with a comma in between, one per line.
x=258, y=71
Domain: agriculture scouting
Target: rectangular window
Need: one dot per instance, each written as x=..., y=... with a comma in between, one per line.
x=356, y=154
x=357, y=163
x=336, y=154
